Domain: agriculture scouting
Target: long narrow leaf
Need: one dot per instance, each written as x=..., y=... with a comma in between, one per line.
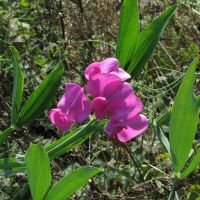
x=6, y=133
x=71, y=183
x=38, y=170
x=193, y=164
x=41, y=98
x=184, y=120
x=128, y=31
x=163, y=139
x=17, y=85
x=148, y=40
x=73, y=139
x=11, y=164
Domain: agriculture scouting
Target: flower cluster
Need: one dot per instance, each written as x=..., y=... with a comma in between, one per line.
x=112, y=97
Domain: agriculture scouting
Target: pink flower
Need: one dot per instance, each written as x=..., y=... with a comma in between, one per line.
x=74, y=106
x=112, y=97
x=109, y=65
x=128, y=128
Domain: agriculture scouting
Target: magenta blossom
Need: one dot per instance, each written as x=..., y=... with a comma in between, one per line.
x=74, y=106
x=127, y=129
x=112, y=97
x=109, y=65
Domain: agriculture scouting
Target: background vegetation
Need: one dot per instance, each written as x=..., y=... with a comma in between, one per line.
x=78, y=33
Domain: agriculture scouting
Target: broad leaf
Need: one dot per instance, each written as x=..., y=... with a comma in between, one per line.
x=128, y=31
x=17, y=85
x=149, y=39
x=68, y=185
x=184, y=120
x=38, y=170
x=191, y=167
x=41, y=98
x=74, y=138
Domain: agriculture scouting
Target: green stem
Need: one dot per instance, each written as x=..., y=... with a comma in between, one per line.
x=6, y=133
x=173, y=191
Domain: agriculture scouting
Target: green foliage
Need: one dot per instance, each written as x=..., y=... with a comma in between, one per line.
x=148, y=40
x=41, y=98
x=11, y=164
x=128, y=32
x=4, y=134
x=74, y=138
x=17, y=85
x=64, y=188
x=184, y=120
x=192, y=165
x=38, y=170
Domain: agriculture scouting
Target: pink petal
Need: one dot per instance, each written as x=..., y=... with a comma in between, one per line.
x=103, y=85
x=109, y=65
x=52, y=113
x=135, y=126
x=80, y=109
x=60, y=119
x=70, y=95
x=99, y=104
x=123, y=102
x=121, y=74
x=113, y=127
x=75, y=103
x=92, y=69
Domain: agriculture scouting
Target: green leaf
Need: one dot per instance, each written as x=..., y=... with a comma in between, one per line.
x=148, y=40
x=191, y=167
x=41, y=98
x=128, y=31
x=38, y=170
x=68, y=185
x=17, y=85
x=11, y=164
x=74, y=138
x=6, y=133
x=164, y=118
x=198, y=100
x=163, y=139
x=184, y=120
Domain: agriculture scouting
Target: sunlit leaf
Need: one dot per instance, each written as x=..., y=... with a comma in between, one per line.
x=149, y=39
x=128, y=31
x=38, y=170
x=74, y=138
x=68, y=185
x=41, y=98
x=184, y=120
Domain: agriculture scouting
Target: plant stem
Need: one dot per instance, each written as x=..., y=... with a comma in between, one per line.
x=173, y=191
x=6, y=133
